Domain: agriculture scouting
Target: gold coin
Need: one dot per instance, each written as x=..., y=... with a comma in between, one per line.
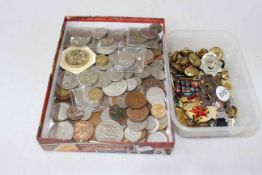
x=191, y=71
x=76, y=58
x=158, y=110
x=95, y=94
x=194, y=60
x=184, y=61
x=185, y=52
x=226, y=84
x=225, y=75
x=232, y=111
x=218, y=51
x=101, y=60
x=177, y=67
x=201, y=52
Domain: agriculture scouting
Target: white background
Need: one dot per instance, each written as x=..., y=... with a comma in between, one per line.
x=29, y=31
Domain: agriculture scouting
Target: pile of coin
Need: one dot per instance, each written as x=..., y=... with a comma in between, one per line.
x=202, y=88
x=101, y=103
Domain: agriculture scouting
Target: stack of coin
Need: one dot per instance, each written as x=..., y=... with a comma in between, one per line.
x=202, y=88
x=102, y=103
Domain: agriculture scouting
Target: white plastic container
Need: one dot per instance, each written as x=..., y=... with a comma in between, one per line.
x=243, y=94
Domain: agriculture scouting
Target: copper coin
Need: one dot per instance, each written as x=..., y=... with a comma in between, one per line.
x=137, y=114
x=83, y=131
x=152, y=82
x=95, y=118
x=135, y=100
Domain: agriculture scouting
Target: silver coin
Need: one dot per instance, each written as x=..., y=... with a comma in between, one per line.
x=118, y=35
x=139, y=81
x=99, y=33
x=59, y=111
x=155, y=95
x=157, y=137
x=145, y=74
x=105, y=115
x=87, y=115
x=152, y=124
x=88, y=77
x=157, y=73
x=149, y=56
x=136, y=126
x=80, y=41
x=148, y=33
x=121, y=101
x=128, y=75
x=100, y=49
x=113, y=75
x=131, y=84
x=125, y=59
x=157, y=27
x=67, y=80
x=61, y=130
x=158, y=63
x=163, y=120
x=131, y=135
x=109, y=131
x=151, y=44
x=210, y=64
x=103, y=80
x=115, y=88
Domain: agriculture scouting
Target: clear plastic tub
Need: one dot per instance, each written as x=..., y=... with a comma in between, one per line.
x=243, y=93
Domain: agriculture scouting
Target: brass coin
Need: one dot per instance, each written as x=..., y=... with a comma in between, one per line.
x=158, y=110
x=137, y=114
x=101, y=60
x=95, y=118
x=185, y=52
x=232, y=111
x=184, y=61
x=191, y=71
x=226, y=84
x=95, y=94
x=62, y=94
x=201, y=52
x=77, y=58
x=83, y=131
x=177, y=67
x=225, y=74
x=135, y=100
x=194, y=60
x=218, y=51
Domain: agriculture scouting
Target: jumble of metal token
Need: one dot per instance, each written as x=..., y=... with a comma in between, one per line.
x=202, y=88
x=110, y=87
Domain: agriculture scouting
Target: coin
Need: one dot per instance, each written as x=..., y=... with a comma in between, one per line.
x=136, y=126
x=158, y=110
x=116, y=112
x=163, y=122
x=61, y=130
x=100, y=49
x=137, y=114
x=101, y=60
x=59, y=111
x=152, y=82
x=125, y=59
x=148, y=33
x=79, y=41
x=62, y=94
x=74, y=113
x=95, y=118
x=232, y=111
x=99, y=33
x=115, y=88
x=201, y=52
x=103, y=80
x=95, y=94
x=121, y=101
x=144, y=74
x=155, y=95
x=88, y=77
x=135, y=100
x=225, y=74
x=139, y=81
x=152, y=124
x=157, y=137
x=107, y=42
x=194, y=60
x=106, y=66
x=67, y=80
x=185, y=52
x=131, y=84
x=149, y=56
x=109, y=131
x=128, y=75
x=226, y=84
x=157, y=27
x=83, y=131
x=87, y=115
x=191, y=71
x=210, y=64
x=136, y=37
x=132, y=136
x=77, y=59
x=118, y=35
x=157, y=73
x=113, y=75
x=105, y=115
x=218, y=51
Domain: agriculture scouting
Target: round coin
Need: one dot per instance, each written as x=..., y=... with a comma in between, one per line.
x=67, y=80
x=210, y=64
x=59, y=111
x=136, y=126
x=101, y=60
x=152, y=82
x=105, y=115
x=113, y=75
x=158, y=110
x=103, y=80
x=109, y=131
x=135, y=100
x=157, y=137
x=148, y=33
x=155, y=95
x=152, y=124
x=88, y=77
x=115, y=88
x=194, y=60
x=218, y=51
x=191, y=71
x=116, y=112
x=95, y=94
x=99, y=33
x=83, y=131
x=131, y=84
x=137, y=114
x=61, y=130
x=131, y=135
x=62, y=94
x=74, y=114
x=149, y=56
x=157, y=27
x=125, y=59
x=121, y=101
